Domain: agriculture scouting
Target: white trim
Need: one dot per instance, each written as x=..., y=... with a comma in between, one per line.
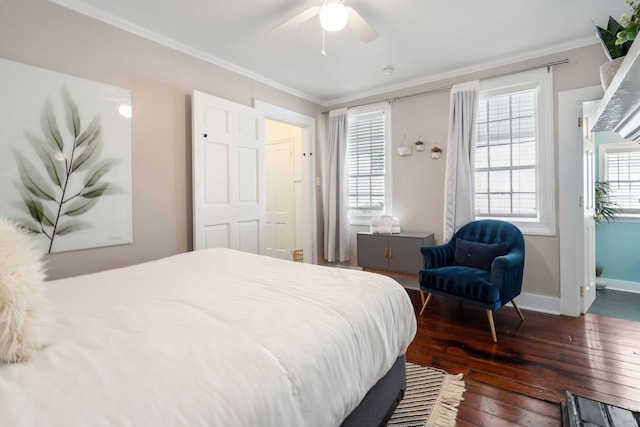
x=622, y=285
x=542, y=79
x=569, y=155
x=616, y=147
x=308, y=125
x=627, y=218
x=385, y=107
x=464, y=71
x=539, y=303
x=80, y=7
x=93, y=12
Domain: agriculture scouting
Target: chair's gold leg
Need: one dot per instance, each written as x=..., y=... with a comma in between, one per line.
x=492, y=325
x=517, y=309
x=424, y=306
x=422, y=297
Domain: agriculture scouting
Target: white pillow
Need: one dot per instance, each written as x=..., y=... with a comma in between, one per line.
x=24, y=311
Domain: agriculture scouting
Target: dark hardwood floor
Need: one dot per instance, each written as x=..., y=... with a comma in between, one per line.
x=521, y=379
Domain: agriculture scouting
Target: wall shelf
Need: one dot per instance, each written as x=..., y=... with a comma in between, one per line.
x=620, y=108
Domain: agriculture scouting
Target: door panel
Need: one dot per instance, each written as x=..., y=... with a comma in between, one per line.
x=588, y=207
x=248, y=185
x=217, y=236
x=405, y=255
x=280, y=200
x=228, y=175
x=372, y=251
x=216, y=169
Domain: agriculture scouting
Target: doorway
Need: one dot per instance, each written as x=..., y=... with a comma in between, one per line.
x=573, y=260
x=284, y=219
x=305, y=188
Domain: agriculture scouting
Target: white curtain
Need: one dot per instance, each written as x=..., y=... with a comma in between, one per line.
x=336, y=223
x=459, y=190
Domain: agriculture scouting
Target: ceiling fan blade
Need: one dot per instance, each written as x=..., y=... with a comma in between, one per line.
x=298, y=19
x=359, y=26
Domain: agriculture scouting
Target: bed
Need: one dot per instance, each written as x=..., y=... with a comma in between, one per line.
x=216, y=338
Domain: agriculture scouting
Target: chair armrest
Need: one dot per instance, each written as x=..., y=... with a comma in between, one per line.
x=510, y=260
x=506, y=272
x=437, y=256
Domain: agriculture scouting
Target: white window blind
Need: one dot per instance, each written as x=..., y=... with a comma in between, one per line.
x=506, y=159
x=623, y=175
x=366, y=156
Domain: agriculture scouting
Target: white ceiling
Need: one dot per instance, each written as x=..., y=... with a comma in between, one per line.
x=424, y=40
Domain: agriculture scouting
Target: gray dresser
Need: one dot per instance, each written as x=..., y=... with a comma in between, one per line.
x=393, y=254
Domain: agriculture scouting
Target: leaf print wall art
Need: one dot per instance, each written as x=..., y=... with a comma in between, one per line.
x=65, y=158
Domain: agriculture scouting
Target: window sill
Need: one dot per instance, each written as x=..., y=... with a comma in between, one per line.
x=529, y=228
x=626, y=218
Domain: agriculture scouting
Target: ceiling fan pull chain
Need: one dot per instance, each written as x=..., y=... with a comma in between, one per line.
x=323, y=54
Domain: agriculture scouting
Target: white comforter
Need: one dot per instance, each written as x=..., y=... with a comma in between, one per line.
x=210, y=338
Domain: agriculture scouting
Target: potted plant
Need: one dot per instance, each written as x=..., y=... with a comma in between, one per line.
x=419, y=145
x=600, y=282
x=436, y=152
x=616, y=40
x=630, y=24
x=606, y=210
x=604, y=207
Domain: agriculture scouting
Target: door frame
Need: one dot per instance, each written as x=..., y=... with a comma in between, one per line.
x=308, y=126
x=569, y=160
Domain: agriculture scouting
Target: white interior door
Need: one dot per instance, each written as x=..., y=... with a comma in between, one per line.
x=571, y=197
x=306, y=180
x=588, y=292
x=280, y=199
x=228, y=175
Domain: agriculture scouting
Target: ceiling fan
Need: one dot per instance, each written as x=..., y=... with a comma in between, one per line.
x=334, y=16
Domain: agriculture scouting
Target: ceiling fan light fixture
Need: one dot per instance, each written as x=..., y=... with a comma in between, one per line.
x=333, y=16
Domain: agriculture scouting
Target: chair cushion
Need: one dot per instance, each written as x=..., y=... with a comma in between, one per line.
x=477, y=255
x=460, y=281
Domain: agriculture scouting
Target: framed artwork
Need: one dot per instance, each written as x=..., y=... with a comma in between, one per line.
x=65, y=158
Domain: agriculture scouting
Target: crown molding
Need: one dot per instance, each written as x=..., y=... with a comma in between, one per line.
x=510, y=60
x=92, y=12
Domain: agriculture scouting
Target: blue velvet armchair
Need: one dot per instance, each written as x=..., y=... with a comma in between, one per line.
x=481, y=265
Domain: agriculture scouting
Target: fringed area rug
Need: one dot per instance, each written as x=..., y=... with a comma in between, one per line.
x=430, y=400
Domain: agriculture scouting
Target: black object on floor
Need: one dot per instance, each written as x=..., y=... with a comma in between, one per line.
x=578, y=411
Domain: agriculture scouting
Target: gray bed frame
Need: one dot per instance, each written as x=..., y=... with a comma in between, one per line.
x=381, y=400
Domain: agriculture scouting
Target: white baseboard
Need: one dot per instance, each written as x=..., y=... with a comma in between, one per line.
x=533, y=302
x=622, y=285
x=540, y=303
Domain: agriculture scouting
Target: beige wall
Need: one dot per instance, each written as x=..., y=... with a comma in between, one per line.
x=418, y=181
x=161, y=80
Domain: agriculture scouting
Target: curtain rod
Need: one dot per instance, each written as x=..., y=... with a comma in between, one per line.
x=548, y=66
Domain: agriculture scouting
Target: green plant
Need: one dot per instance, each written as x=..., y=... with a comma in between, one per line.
x=604, y=207
x=57, y=193
x=630, y=24
x=617, y=38
x=418, y=142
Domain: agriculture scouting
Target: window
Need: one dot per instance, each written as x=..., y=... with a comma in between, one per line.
x=514, y=152
x=368, y=162
x=620, y=164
